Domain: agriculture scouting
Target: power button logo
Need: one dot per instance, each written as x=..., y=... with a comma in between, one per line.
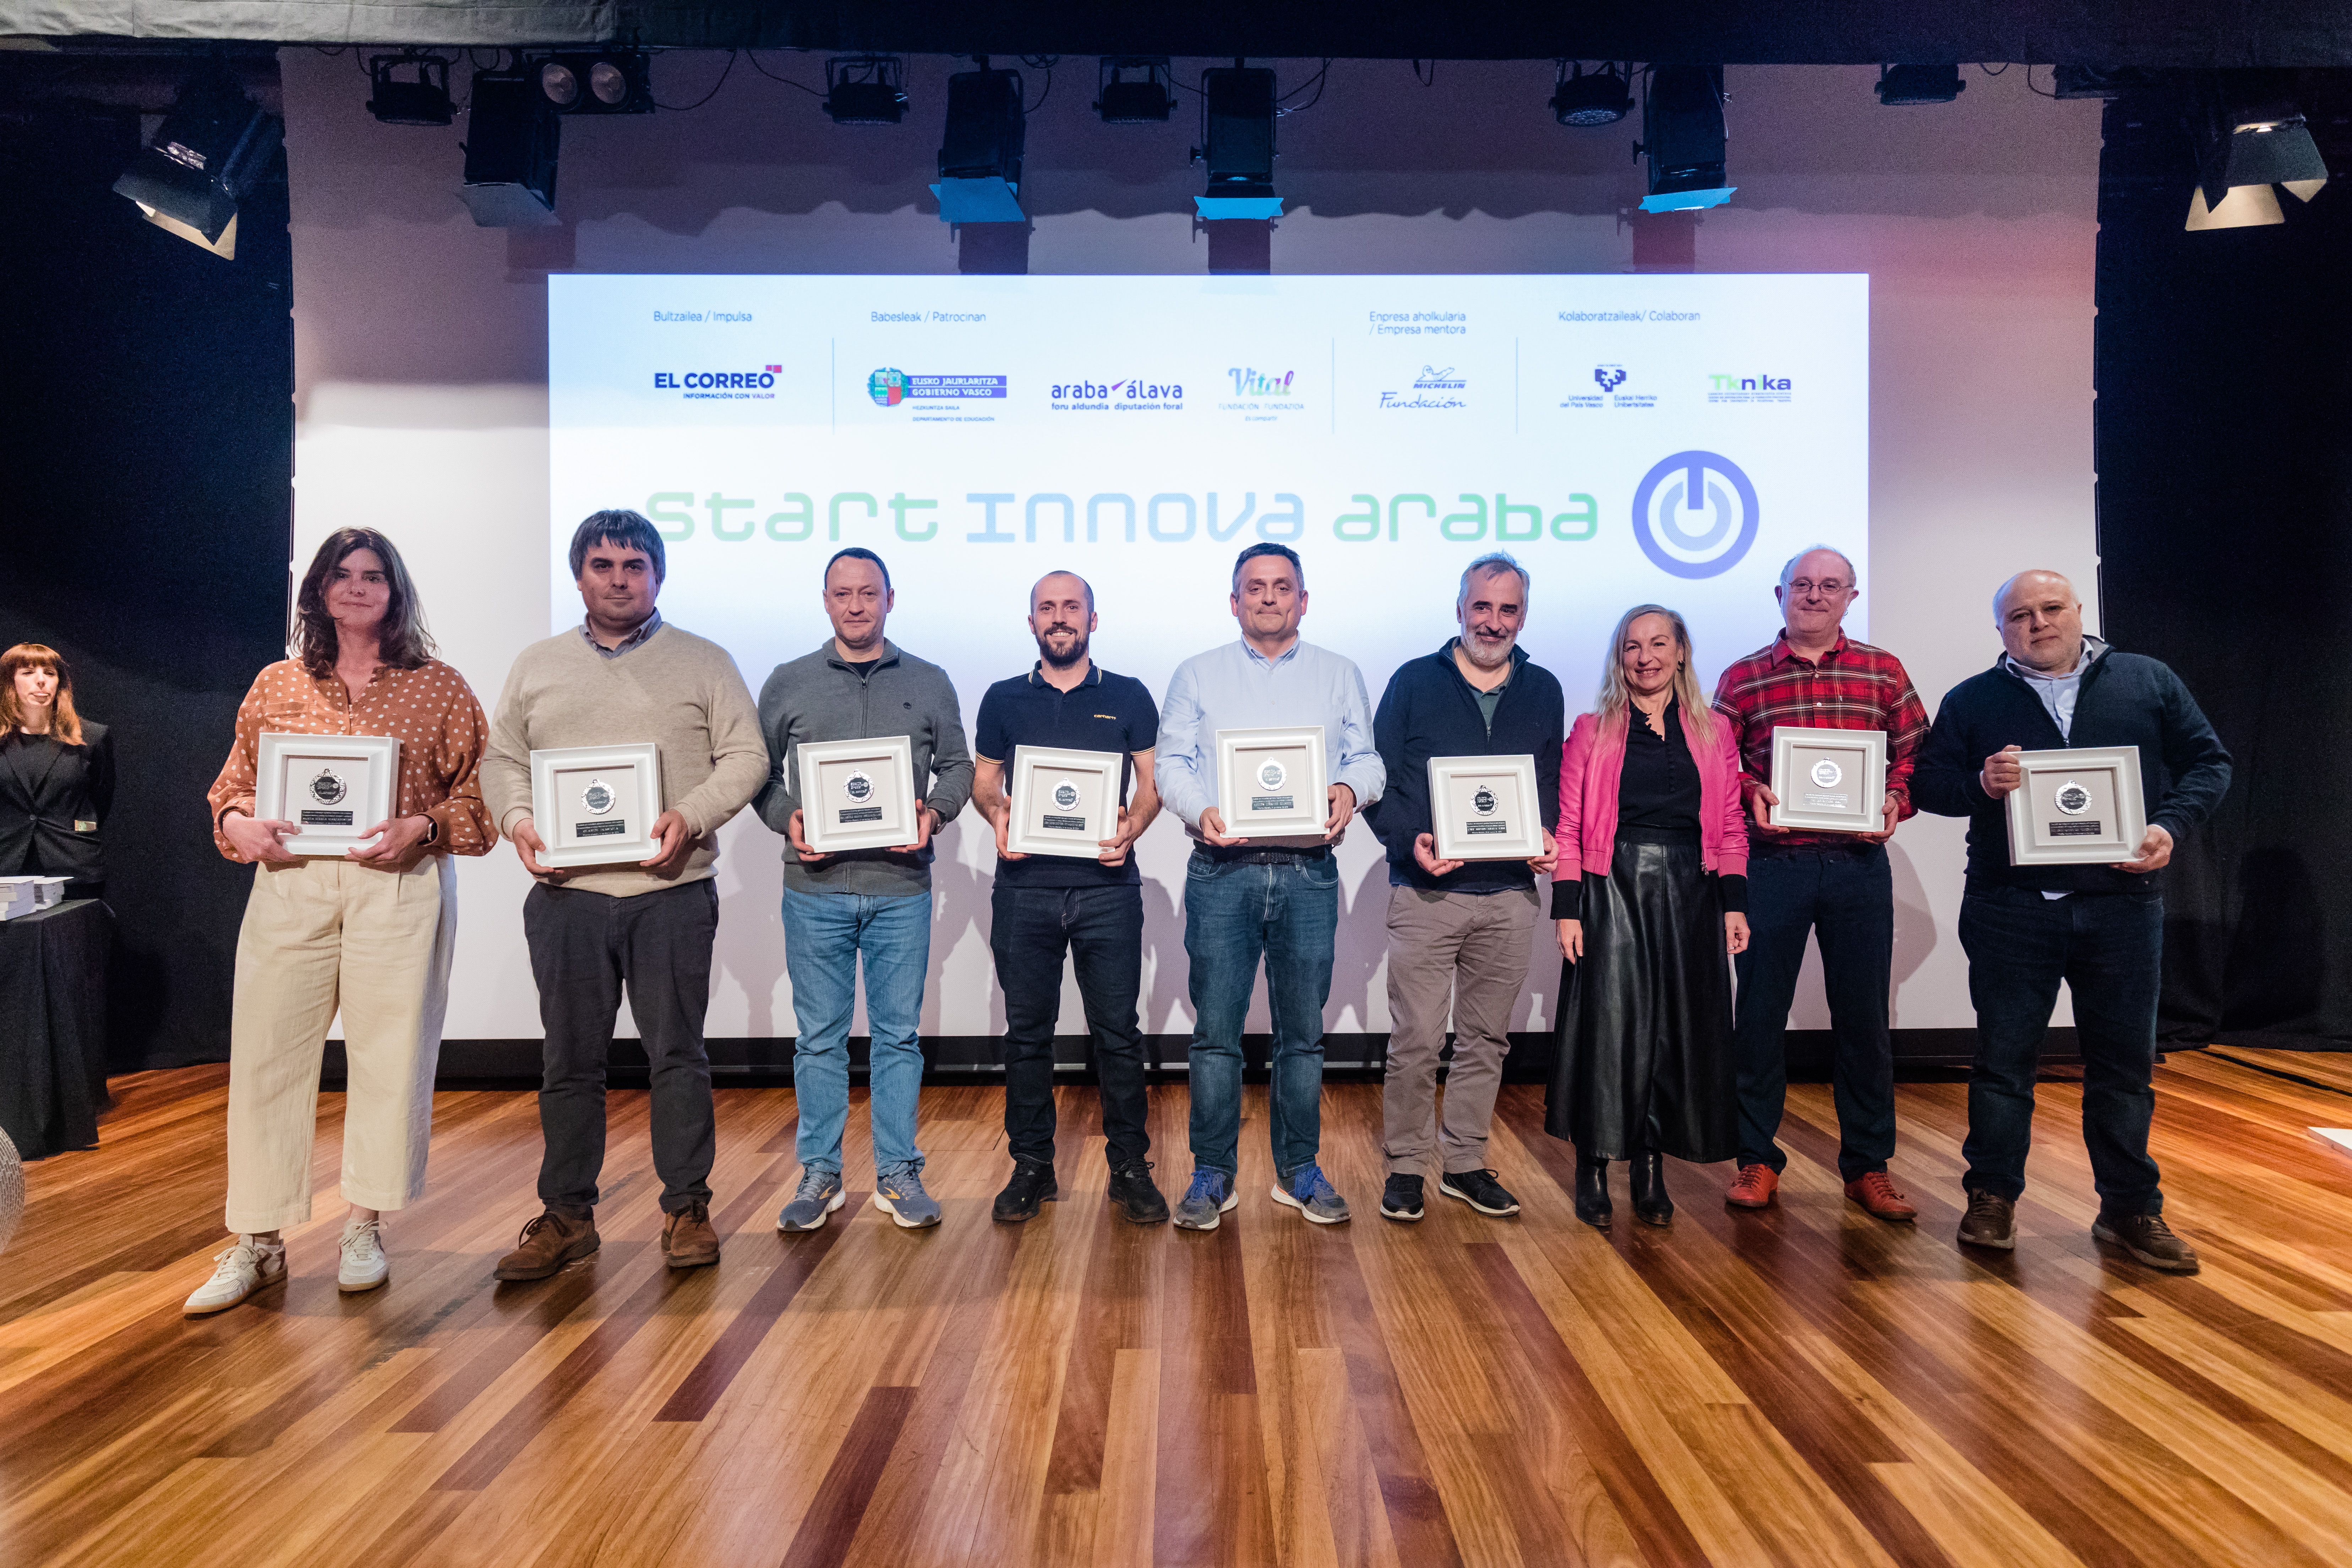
x=1694, y=514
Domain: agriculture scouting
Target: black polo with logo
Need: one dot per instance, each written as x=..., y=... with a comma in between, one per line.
x=1103, y=712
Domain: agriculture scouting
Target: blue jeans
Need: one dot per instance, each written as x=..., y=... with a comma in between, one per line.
x=1846, y=896
x=823, y=935
x=1236, y=911
x=2109, y=950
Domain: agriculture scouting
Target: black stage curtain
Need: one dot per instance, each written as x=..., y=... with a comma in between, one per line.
x=2223, y=370
x=148, y=402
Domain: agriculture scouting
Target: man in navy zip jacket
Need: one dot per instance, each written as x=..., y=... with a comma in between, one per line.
x=1459, y=931
x=2098, y=928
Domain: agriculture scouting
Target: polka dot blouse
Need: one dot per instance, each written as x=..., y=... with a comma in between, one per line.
x=430, y=711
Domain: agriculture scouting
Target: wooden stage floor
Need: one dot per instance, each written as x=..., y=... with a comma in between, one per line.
x=1807, y=1385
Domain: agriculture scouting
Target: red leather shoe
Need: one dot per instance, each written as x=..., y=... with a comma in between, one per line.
x=1877, y=1194
x=1755, y=1187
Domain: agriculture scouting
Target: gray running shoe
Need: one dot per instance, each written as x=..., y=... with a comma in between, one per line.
x=1311, y=1194
x=820, y=1194
x=1210, y=1194
x=898, y=1193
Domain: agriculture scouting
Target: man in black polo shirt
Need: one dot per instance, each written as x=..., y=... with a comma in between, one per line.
x=1046, y=905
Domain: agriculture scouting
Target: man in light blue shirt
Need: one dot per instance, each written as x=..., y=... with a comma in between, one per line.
x=1245, y=900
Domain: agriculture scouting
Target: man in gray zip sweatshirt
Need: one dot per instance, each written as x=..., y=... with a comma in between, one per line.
x=859, y=685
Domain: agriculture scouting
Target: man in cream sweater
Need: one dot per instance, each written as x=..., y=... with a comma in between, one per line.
x=624, y=676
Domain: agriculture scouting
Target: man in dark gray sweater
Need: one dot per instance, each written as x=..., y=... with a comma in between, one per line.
x=2100, y=928
x=877, y=902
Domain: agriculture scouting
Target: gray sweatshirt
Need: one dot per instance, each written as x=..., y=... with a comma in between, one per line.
x=819, y=696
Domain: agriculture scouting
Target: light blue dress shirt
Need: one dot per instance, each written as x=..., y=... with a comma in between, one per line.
x=1237, y=688
x=2058, y=694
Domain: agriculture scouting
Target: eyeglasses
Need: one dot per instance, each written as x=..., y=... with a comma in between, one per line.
x=1826, y=585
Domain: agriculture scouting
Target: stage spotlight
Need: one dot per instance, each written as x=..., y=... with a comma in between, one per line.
x=1920, y=84
x=866, y=90
x=2250, y=136
x=422, y=100
x=1238, y=143
x=1134, y=90
x=212, y=147
x=1600, y=98
x=1681, y=117
x=513, y=134
x=979, y=153
x=604, y=82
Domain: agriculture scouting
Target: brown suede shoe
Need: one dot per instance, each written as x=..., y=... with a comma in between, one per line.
x=547, y=1243
x=686, y=1238
x=1878, y=1196
x=1990, y=1222
x=2148, y=1239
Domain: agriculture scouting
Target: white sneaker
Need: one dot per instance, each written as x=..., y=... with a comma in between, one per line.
x=244, y=1268
x=363, y=1266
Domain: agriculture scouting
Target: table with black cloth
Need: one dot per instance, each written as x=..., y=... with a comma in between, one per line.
x=53, y=1026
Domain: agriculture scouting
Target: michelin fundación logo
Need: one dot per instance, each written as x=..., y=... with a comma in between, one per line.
x=1694, y=514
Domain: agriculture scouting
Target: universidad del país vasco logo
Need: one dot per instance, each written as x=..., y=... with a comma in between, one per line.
x=1609, y=378
x=1694, y=514
x=889, y=387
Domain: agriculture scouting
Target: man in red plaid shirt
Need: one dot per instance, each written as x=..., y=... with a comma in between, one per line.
x=1834, y=884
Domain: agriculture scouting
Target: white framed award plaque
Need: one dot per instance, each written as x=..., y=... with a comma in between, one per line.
x=1063, y=802
x=1829, y=781
x=1271, y=784
x=596, y=806
x=2077, y=807
x=858, y=794
x=1484, y=808
x=333, y=788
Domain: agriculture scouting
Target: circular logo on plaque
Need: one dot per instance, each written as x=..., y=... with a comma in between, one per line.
x=858, y=786
x=1826, y=773
x=2071, y=798
x=1065, y=794
x=328, y=788
x=1483, y=801
x=1270, y=775
x=598, y=797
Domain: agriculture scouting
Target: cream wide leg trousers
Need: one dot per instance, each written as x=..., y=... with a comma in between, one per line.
x=319, y=936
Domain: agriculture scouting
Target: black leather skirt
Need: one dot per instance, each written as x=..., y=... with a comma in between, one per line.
x=1643, y=1053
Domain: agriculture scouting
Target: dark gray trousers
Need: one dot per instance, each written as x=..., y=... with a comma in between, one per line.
x=584, y=947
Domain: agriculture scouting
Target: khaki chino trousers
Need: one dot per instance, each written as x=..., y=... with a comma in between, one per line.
x=319, y=936
x=1469, y=951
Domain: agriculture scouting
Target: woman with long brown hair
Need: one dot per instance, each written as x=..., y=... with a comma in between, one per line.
x=1649, y=896
x=56, y=774
x=369, y=933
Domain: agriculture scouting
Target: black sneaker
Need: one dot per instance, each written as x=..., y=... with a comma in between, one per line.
x=1026, y=1193
x=1401, y=1199
x=1479, y=1190
x=1137, y=1194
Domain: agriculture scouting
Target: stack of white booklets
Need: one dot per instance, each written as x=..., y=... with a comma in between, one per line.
x=23, y=895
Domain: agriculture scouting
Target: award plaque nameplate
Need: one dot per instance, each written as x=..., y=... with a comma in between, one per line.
x=1484, y=808
x=333, y=788
x=597, y=806
x=1271, y=787
x=1829, y=781
x=2077, y=807
x=858, y=794
x=1063, y=802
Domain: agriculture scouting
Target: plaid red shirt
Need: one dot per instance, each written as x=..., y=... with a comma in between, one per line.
x=1854, y=687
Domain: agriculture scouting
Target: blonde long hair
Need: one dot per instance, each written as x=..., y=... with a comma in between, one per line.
x=65, y=724
x=1699, y=720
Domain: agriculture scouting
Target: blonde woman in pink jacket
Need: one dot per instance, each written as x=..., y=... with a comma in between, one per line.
x=1650, y=898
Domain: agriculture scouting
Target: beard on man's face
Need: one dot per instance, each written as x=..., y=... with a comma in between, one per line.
x=1489, y=654
x=1076, y=651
